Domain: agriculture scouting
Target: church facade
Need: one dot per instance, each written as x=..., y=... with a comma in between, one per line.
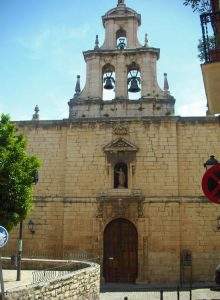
x=121, y=177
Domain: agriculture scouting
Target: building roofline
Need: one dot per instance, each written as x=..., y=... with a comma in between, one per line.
x=149, y=119
x=121, y=12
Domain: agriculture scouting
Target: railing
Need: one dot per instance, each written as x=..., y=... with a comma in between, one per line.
x=179, y=292
x=52, y=273
x=77, y=255
x=210, y=23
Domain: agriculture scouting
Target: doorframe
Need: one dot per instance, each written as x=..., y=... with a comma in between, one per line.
x=104, y=225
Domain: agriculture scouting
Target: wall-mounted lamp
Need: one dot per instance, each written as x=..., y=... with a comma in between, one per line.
x=35, y=177
x=31, y=227
x=210, y=162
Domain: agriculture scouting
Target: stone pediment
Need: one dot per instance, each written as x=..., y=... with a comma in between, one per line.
x=120, y=145
x=121, y=11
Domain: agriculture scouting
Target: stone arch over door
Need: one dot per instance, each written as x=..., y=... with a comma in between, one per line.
x=120, y=252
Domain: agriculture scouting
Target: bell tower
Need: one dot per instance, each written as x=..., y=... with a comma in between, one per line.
x=121, y=78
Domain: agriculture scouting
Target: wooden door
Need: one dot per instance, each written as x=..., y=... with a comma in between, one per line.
x=120, y=262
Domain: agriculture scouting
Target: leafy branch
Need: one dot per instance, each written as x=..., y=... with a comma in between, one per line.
x=18, y=170
x=200, y=6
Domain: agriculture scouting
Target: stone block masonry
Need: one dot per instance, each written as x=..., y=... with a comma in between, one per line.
x=83, y=284
x=171, y=216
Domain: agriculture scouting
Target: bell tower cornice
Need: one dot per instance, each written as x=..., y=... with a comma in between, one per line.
x=113, y=52
x=121, y=12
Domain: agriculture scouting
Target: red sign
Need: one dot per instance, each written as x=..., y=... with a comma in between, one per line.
x=211, y=184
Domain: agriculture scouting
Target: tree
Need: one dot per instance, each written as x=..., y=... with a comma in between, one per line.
x=18, y=172
x=201, y=47
x=199, y=5
x=213, y=41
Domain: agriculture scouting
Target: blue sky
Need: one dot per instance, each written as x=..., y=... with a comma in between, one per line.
x=42, y=42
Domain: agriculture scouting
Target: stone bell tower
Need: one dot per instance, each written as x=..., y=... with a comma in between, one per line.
x=121, y=78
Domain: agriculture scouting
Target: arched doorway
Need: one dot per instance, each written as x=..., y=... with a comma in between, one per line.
x=120, y=261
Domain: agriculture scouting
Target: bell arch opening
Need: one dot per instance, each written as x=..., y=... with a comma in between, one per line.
x=120, y=255
x=121, y=39
x=108, y=78
x=134, y=82
x=121, y=176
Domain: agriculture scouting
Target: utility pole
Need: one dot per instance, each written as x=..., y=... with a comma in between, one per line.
x=3, y=242
x=1, y=280
x=20, y=241
x=20, y=248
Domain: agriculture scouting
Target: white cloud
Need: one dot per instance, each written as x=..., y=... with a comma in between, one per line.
x=53, y=38
x=60, y=107
x=190, y=96
x=191, y=109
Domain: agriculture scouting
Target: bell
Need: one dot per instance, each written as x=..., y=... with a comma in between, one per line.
x=108, y=83
x=134, y=88
x=121, y=44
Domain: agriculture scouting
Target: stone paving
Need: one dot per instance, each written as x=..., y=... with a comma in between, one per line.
x=197, y=294
x=10, y=279
x=205, y=294
x=148, y=292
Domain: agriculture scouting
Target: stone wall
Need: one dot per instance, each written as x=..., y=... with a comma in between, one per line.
x=80, y=285
x=171, y=215
x=74, y=163
x=46, y=264
x=134, y=108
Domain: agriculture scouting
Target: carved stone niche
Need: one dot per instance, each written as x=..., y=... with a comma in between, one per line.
x=120, y=151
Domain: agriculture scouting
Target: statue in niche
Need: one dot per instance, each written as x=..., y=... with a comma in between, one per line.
x=120, y=176
x=121, y=179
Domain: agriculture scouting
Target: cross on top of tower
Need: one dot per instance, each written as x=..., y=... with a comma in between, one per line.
x=121, y=2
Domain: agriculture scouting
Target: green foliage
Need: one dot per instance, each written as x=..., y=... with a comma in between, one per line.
x=17, y=172
x=211, y=46
x=199, y=5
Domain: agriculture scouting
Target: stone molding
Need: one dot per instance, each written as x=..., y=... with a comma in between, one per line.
x=89, y=53
x=150, y=119
x=120, y=145
x=95, y=200
x=120, y=129
x=119, y=203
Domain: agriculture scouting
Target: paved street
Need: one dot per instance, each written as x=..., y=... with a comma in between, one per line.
x=197, y=295
x=10, y=279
